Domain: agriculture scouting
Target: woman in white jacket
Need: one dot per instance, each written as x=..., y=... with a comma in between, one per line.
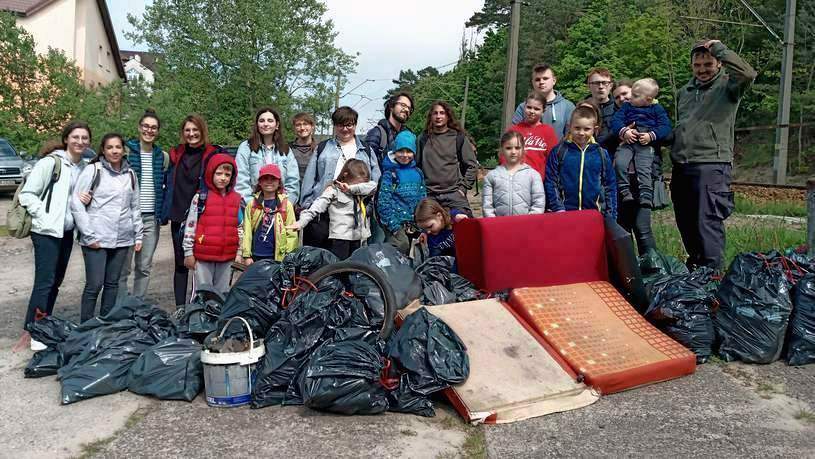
x=266, y=145
x=52, y=224
x=105, y=205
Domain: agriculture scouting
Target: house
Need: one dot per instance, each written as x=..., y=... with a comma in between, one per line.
x=139, y=66
x=82, y=29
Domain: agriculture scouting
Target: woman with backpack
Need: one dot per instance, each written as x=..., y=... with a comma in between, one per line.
x=105, y=206
x=148, y=163
x=185, y=179
x=266, y=145
x=45, y=196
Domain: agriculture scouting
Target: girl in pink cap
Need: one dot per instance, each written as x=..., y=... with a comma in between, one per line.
x=267, y=214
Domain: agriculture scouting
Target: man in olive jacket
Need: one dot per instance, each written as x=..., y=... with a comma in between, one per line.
x=702, y=152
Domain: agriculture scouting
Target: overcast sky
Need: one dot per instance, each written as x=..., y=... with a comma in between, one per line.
x=379, y=32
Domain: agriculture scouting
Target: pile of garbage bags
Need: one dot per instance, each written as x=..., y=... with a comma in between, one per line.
x=761, y=310
x=323, y=344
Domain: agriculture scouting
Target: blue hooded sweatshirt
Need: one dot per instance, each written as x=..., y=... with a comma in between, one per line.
x=584, y=180
x=402, y=186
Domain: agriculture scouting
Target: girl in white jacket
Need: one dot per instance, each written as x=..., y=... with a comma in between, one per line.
x=52, y=225
x=513, y=188
x=349, y=222
x=105, y=205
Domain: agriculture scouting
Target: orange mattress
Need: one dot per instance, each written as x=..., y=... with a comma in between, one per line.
x=601, y=336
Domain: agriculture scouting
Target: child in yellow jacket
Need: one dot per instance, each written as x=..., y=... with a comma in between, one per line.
x=266, y=216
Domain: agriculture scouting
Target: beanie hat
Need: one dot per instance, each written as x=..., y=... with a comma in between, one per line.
x=405, y=140
x=270, y=169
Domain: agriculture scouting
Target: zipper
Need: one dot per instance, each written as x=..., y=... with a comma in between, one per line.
x=580, y=178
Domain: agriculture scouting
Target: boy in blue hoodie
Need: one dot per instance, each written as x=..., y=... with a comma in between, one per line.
x=400, y=190
x=578, y=171
x=640, y=123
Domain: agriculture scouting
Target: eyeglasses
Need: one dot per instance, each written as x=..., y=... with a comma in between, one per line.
x=405, y=106
x=149, y=127
x=597, y=84
x=345, y=126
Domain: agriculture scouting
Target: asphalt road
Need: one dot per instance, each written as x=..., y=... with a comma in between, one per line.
x=725, y=410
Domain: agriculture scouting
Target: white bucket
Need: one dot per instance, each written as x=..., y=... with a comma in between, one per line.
x=230, y=376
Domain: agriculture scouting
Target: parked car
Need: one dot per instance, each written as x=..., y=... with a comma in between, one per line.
x=12, y=167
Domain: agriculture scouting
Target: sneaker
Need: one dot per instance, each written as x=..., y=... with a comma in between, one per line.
x=37, y=346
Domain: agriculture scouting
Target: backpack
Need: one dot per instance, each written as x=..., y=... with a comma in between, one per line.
x=460, y=139
x=97, y=178
x=18, y=220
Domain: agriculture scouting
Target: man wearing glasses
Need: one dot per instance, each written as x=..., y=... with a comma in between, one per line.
x=325, y=165
x=599, y=82
x=398, y=109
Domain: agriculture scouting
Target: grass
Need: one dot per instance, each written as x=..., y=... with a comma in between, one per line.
x=94, y=448
x=805, y=416
x=748, y=206
x=743, y=235
x=3, y=231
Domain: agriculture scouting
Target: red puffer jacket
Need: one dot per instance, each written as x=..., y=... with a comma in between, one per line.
x=216, y=234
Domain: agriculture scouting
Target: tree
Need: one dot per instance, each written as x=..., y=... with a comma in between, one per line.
x=225, y=58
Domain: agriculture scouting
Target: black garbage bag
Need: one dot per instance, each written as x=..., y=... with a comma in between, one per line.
x=126, y=309
x=155, y=322
x=801, y=344
x=43, y=363
x=754, y=310
x=50, y=330
x=655, y=265
x=343, y=377
x=170, y=370
x=303, y=262
x=623, y=266
x=398, y=271
x=103, y=367
x=256, y=297
x=683, y=309
x=430, y=352
x=200, y=317
x=404, y=400
x=89, y=340
x=442, y=286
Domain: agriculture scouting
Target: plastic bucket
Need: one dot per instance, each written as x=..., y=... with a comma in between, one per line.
x=230, y=376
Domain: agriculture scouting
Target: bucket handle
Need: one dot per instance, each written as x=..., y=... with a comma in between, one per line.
x=251, y=337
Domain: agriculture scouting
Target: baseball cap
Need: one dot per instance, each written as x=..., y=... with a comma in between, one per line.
x=270, y=169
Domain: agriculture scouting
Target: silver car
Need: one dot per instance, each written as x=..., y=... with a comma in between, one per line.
x=12, y=167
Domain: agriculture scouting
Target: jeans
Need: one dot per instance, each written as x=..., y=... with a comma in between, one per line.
x=51, y=256
x=143, y=261
x=702, y=202
x=103, y=267
x=215, y=274
x=643, y=157
x=181, y=271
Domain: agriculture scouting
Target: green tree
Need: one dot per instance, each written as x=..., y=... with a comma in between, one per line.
x=225, y=58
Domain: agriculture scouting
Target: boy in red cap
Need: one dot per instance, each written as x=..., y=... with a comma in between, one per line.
x=211, y=232
x=266, y=216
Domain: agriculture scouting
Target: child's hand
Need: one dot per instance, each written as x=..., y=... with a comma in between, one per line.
x=459, y=217
x=248, y=261
x=189, y=262
x=294, y=226
x=342, y=186
x=85, y=198
x=630, y=136
x=138, y=246
x=644, y=138
x=422, y=238
x=238, y=258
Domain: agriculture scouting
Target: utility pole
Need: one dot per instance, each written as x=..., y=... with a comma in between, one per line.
x=782, y=132
x=464, y=104
x=512, y=65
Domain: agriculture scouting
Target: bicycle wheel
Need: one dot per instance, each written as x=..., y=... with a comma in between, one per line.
x=351, y=267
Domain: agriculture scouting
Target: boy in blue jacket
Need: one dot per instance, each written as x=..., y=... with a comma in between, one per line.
x=640, y=123
x=400, y=190
x=578, y=171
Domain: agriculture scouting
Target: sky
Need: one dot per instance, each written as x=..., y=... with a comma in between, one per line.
x=432, y=29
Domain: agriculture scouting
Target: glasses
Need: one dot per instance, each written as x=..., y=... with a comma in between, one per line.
x=149, y=127
x=404, y=105
x=345, y=126
x=598, y=84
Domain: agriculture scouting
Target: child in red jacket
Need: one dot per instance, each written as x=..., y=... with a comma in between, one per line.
x=211, y=233
x=539, y=137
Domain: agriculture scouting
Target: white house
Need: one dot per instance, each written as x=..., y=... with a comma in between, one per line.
x=139, y=66
x=80, y=28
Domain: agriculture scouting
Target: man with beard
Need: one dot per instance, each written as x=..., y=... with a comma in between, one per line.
x=702, y=152
x=398, y=109
x=447, y=158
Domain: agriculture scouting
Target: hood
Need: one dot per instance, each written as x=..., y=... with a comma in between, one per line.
x=177, y=152
x=213, y=163
x=389, y=163
x=122, y=170
x=558, y=98
x=66, y=157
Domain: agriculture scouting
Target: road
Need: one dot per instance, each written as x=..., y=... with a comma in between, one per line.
x=723, y=410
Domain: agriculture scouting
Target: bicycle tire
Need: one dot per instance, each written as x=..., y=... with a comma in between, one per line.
x=350, y=267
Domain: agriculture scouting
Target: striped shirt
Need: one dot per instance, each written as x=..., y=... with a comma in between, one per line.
x=147, y=193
